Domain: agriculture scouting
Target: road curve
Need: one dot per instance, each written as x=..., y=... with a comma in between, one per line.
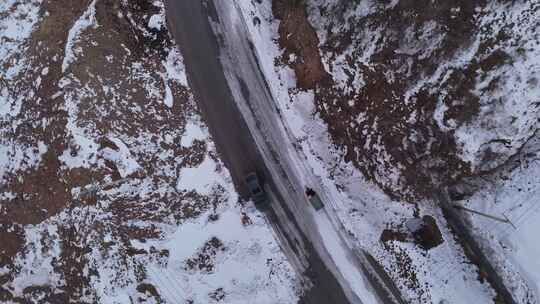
x=189, y=24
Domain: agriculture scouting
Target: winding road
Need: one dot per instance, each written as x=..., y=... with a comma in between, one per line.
x=231, y=90
x=234, y=98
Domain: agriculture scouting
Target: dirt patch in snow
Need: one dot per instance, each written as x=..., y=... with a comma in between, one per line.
x=12, y=237
x=425, y=233
x=149, y=290
x=392, y=235
x=40, y=194
x=205, y=260
x=300, y=43
x=428, y=236
x=217, y=295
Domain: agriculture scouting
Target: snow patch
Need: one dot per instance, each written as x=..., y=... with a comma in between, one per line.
x=87, y=19
x=193, y=131
x=122, y=158
x=156, y=22
x=199, y=179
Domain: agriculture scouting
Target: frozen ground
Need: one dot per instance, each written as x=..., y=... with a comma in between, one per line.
x=16, y=28
x=509, y=93
x=437, y=90
x=442, y=273
x=512, y=194
x=111, y=190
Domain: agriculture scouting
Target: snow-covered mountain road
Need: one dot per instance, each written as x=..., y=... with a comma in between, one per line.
x=211, y=74
x=260, y=95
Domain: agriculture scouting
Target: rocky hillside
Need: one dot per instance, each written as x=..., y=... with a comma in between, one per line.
x=111, y=190
x=414, y=98
x=419, y=94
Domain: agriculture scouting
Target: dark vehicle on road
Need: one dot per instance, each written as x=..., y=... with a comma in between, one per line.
x=255, y=189
x=314, y=199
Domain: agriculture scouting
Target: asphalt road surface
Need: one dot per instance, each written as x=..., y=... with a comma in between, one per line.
x=224, y=78
x=188, y=21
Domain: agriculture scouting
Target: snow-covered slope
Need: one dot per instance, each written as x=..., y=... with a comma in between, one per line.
x=436, y=90
x=409, y=98
x=511, y=194
x=111, y=190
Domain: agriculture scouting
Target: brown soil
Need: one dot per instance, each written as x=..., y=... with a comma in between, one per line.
x=73, y=258
x=429, y=236
x=146, y=288
x=12, y=237
x=130, y=113
x=205, y=260
x=425, y=155
x=392, y=235
x=42, y=192
x=298, y=38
